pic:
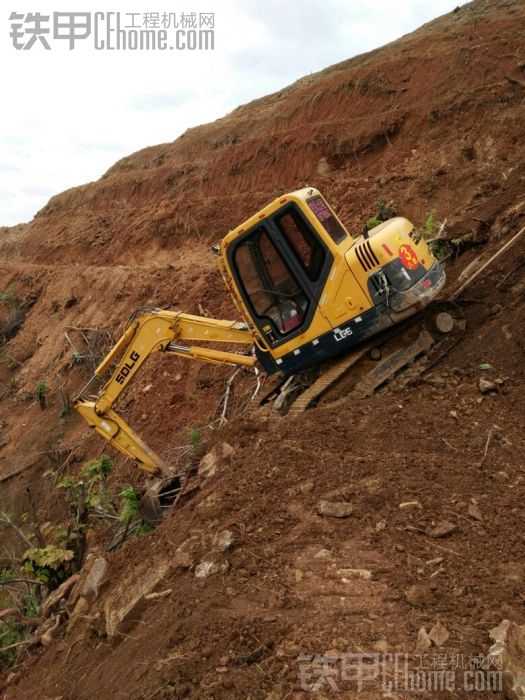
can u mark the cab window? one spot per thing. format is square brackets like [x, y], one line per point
[304, 243]
[328, 220]
[270, 286]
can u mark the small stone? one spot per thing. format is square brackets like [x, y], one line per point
[364, 574]
[322, 554]
[224, 540]
[499, 381]
[299, 575]
[335, 510]
[208, 465]
[400, 548]
[443, 529]
[474, 511]
[434, 562]
[423, 642]
[332, 654]
[419, 596]
[381, 646]
[147, 388]
[227, 450]
[410, 504]
[412, 560]
[500, 477]
[439, 634]
[454, 414]
[380, 526]
[183, 559]
[485, 386]
[206, 568]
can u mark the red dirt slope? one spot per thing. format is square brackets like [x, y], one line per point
[434, 120]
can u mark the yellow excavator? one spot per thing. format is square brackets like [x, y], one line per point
[316, 303]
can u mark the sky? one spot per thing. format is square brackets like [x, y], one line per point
[68, 114]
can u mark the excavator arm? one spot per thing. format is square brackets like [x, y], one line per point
[149, 330]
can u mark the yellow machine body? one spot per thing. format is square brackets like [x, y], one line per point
[309, 290]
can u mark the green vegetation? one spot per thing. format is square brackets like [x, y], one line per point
[41, 390]
[11, 630]
[130, 504]
[196, 440]
[372, 223]
[431, 225]
[50, 565]
[76, 358]
[384, 211]
[9, 296]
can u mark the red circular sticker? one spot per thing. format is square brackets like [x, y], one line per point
[408, 256]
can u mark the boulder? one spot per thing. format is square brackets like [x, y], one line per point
[124, 606]
[94, 578]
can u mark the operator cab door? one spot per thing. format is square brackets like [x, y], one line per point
[281, 266]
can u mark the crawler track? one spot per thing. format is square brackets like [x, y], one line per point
[400, 357]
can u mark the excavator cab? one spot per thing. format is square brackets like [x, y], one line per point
[309, 290]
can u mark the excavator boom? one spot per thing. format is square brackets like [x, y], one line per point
[149, 330]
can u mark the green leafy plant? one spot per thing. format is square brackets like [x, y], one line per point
[41, 390]
[76, 358]
[130, 504]
[385, 210]
[143, 529]
[372, 223]
[195, 440]
[431, 225]
[98, 469]
[50, 564]
[9, 296]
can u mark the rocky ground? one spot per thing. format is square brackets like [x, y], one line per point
[251, 570]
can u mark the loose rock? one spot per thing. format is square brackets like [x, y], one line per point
[508, 652]
[410, 504]
[334, 510]
[439, 634]
[423, 642]
[474, 511]
[224, 540]
[443, 529]
[485, 386]
[209, 568]
[364, 574]
[419, 596]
